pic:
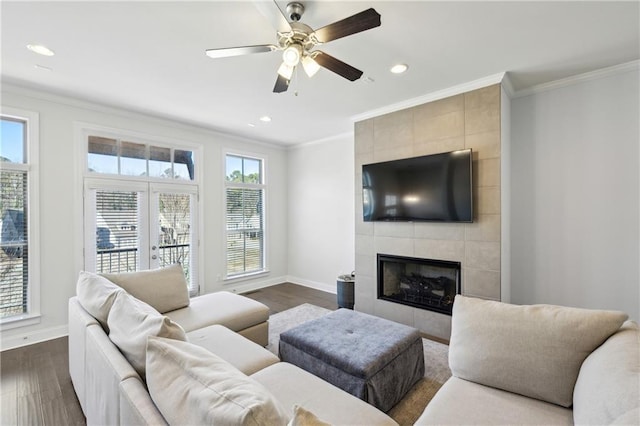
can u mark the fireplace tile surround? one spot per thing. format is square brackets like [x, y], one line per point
[468, 120]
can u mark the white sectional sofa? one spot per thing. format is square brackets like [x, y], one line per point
[216, 339]
[538, 365]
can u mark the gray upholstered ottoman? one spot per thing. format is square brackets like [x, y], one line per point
[372, 358]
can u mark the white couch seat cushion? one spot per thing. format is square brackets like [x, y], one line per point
[609, 382]
[165, 289]
[460, 402]
[292, 386]
[192, 386]
[534, 350]
[242, 353]
[231, 310]
[131, 322]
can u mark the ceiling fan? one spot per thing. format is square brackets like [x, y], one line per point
[297, 41]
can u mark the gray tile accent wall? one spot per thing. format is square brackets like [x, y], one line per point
[468, 120]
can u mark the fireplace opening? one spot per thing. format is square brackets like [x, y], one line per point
[422, 283]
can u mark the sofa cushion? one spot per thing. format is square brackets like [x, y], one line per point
[608, 385]
[534, 350]
[190, 385]
[234, 311]
[96, 295]
[460, 402]
[292, 385]
[165, 289]
[302, 417]
[131, 321]
[242, 353]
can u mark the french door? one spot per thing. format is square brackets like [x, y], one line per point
[133, 225]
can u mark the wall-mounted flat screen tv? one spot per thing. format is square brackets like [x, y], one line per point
[434, 188]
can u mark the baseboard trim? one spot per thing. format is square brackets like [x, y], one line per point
[328, 288]
[25, 339]
[253, 286]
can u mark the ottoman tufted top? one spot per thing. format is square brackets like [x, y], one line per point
[356, 343]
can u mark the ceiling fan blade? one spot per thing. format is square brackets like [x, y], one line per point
[359, 22]
[270, 10]
[282, 84]
[337, 66]
[237, 51]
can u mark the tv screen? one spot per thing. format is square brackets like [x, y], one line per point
[433, 188]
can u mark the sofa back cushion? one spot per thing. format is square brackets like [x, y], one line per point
[131, 322]
[165, 289]
[608, 385]
[534, 350]
[190, 385]
[96, 295]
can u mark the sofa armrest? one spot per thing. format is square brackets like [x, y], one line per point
[136, 406]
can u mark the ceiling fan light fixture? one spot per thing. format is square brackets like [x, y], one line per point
[291, 55]
[310, 66]
[286, 71]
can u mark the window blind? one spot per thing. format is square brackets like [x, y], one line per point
[14, 255]
[117, 231]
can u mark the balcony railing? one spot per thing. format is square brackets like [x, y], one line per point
[126, 259]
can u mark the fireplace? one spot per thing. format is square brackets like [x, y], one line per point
[422, 283]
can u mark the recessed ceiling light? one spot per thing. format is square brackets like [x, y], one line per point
[40, 49]
[42, 67]
[399, 69]
[265, 119]
[251, 125]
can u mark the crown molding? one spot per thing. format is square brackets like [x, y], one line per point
[579, 78]
[35, 92]
[339, 136]
[430, 97]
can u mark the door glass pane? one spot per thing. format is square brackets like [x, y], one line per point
[117, 231]
[14, 259]
[174, 236]
[133, 159]
[12, 141]
[160, 162]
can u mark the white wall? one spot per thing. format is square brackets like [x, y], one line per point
[321, 211]
[575, 194]
[60, 196]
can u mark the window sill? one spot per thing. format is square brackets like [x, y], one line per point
[246, 276]
[19, 321]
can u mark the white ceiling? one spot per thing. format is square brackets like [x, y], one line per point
[149, 56]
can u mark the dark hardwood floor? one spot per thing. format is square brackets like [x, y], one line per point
[285, 296]
[35, 387]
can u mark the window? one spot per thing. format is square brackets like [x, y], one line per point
[244, 213]
[120, 157]
[140, 207]
[19, 257]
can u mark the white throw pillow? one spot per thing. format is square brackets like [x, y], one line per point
[131, 322]
[302, 417]
[192, 386]
[609, 382]
[534, 350]
[165, 289]
[96, 295]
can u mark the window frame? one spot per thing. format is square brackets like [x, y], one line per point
[264, 187]
[32, 167]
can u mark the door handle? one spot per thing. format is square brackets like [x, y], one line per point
[154, 257]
